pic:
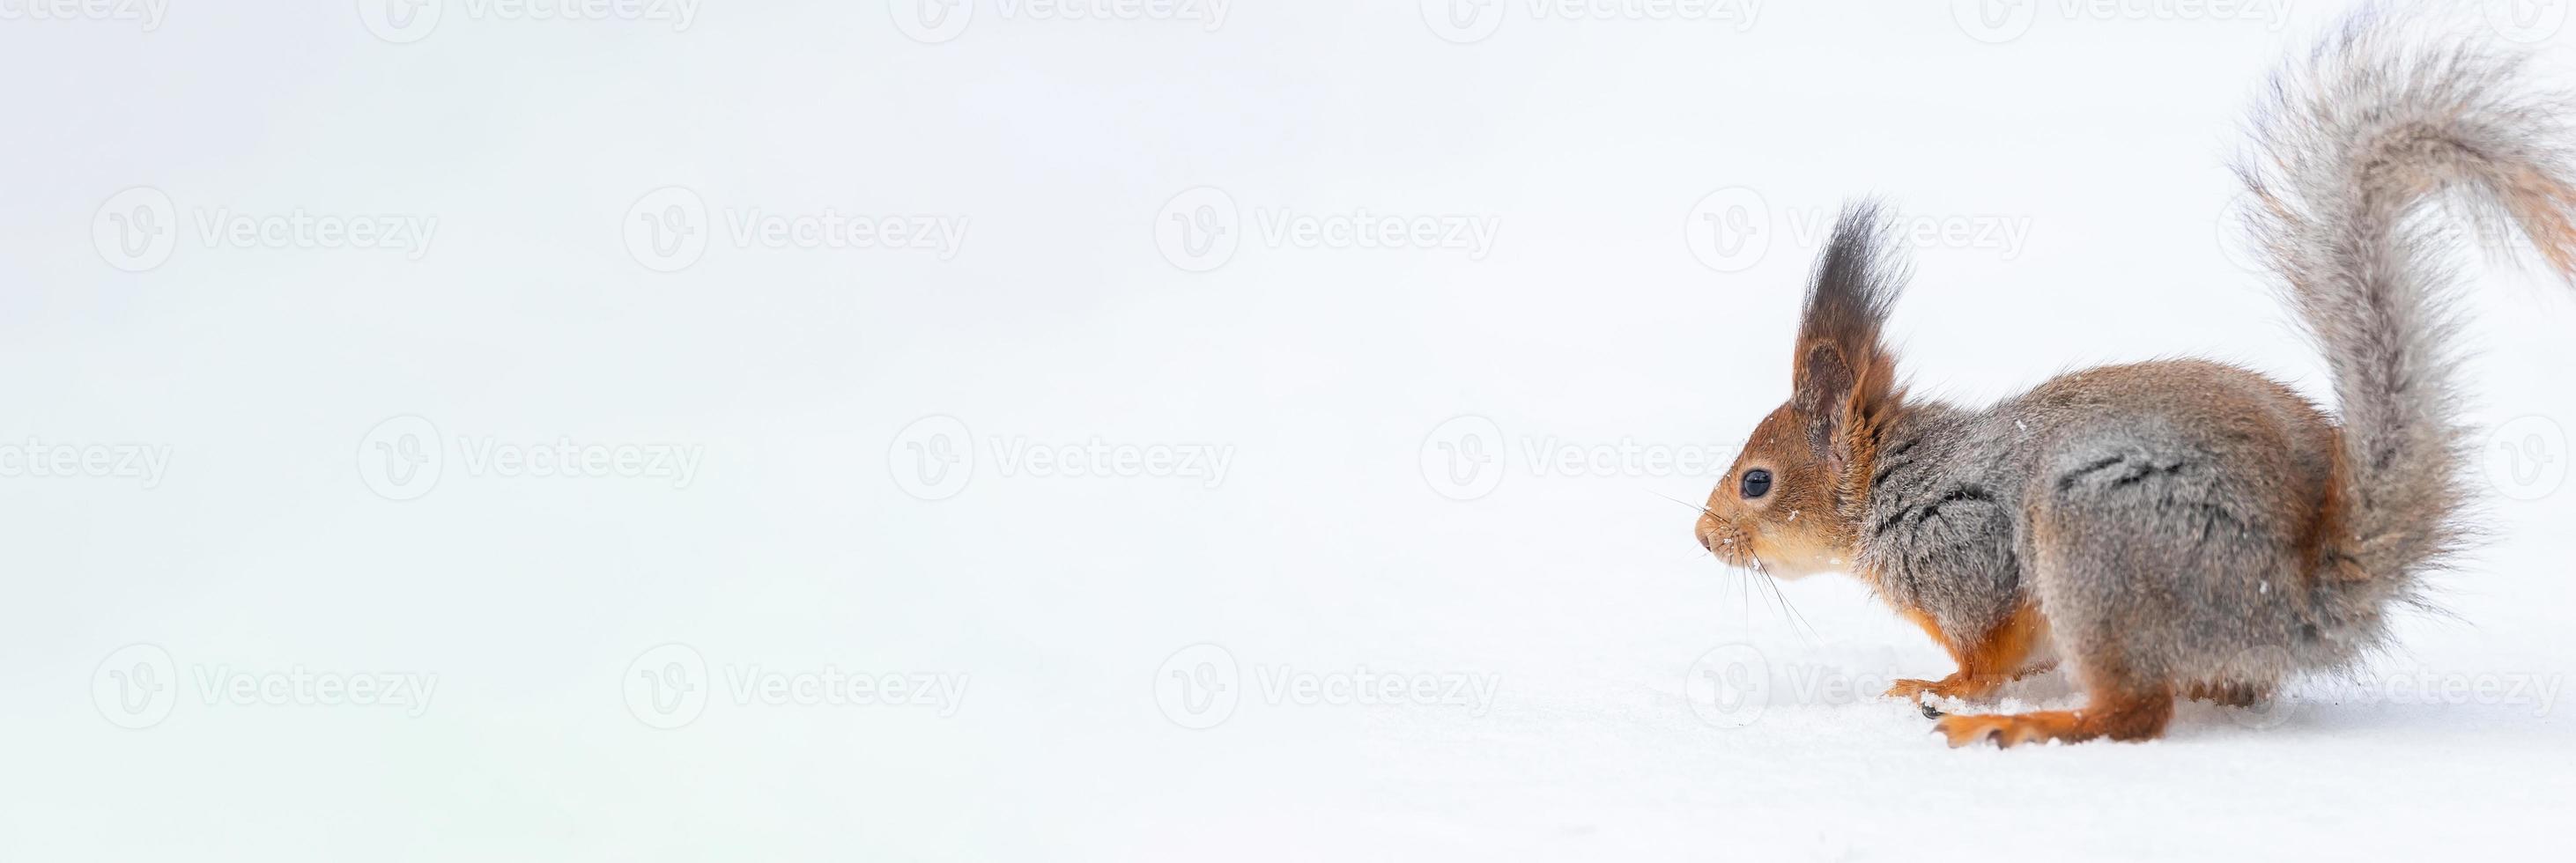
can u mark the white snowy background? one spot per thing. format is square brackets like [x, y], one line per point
[729, 352]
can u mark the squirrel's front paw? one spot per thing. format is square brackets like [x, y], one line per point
[1915, 690]
[1963, 687]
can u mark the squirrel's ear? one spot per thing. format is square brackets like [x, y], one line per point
[1843, 373]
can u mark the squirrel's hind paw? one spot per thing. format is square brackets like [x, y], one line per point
[2135, 715]
[2011, 730]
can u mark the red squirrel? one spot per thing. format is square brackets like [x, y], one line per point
[2179, 529]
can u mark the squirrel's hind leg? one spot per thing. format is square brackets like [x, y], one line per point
[2229, 693]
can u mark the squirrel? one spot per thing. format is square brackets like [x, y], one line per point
[2178, 528]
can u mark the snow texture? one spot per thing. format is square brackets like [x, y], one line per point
[1387, 564]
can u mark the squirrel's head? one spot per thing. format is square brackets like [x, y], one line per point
[1790, 504]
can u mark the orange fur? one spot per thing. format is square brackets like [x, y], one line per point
[2114, 714]
[1995, 658]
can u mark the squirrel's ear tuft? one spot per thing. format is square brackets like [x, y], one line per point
[1855, 283]
[1843, 371]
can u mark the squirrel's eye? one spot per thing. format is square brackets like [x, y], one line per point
[1757, 482]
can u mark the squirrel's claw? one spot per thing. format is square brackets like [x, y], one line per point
[1916, 690]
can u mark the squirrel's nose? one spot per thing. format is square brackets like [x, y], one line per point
[1702, 533]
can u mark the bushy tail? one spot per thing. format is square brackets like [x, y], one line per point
[2352, 146]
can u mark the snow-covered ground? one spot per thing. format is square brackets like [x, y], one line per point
[1133, 439]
